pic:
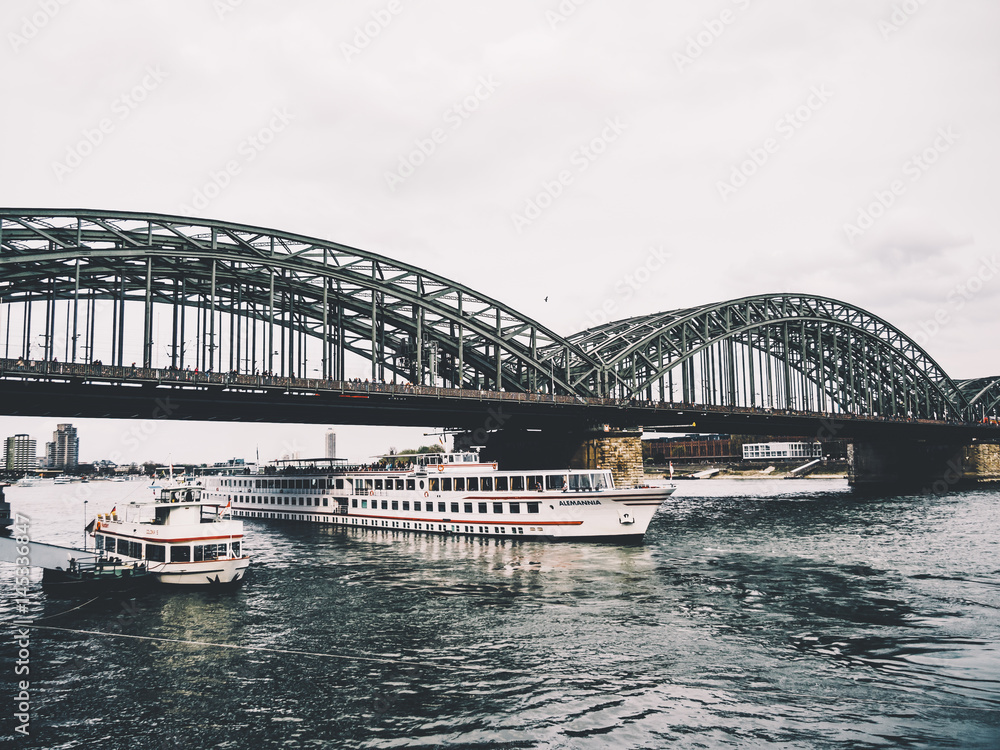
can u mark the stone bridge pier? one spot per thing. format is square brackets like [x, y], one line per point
[921, 466]
[617, 449]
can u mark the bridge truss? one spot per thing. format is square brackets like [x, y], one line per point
[170, 291]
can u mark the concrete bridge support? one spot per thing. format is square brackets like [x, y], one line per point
[923, 467]
[618, 450]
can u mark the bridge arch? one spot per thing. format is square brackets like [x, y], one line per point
[983, 395]
[84, 285]
[260, 299]
[785, 351]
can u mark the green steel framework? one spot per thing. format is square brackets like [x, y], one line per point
[260, 299]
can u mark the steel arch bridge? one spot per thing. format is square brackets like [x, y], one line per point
[175, 292]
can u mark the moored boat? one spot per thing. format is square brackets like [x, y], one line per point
[452, 493]
[180, 538]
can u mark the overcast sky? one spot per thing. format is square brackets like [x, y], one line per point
[628, 156]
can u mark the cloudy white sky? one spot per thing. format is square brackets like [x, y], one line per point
[632, 156]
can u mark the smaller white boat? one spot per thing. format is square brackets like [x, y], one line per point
[62, 479]
[27, 481]
[179, 538]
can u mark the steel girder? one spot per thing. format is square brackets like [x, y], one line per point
[401, 317]
[787, 351]
[983, 395]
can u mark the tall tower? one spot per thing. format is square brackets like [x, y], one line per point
[19, 453]
[65, 448]
[331, 444]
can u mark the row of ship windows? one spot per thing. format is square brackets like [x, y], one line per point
[417, 505]
[469, 529]
[538, 482]
[158, 552]
[442, 507]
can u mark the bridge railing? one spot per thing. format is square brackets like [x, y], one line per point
[54, 370]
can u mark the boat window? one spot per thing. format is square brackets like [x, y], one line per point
[532, 507]
[123, 546]
[411, 484]
[498, 507]
[482, 507]
[98, 541]
[487, 484]
[369, 484]
[364, 503]
[395, 504]
[135, 549]
[180, 554]
[580, 482]
[599, 481]
[236, 549]
[406, 505]
[416, 505]
[340, 484]
[399, 484]
[467, 507]
[440, 507]
[469, 458]
[359, 485]
[433, 484]
[378, 484]
[309, 501]
[473, 483]
[555, 481]
[302, 501]
[156, 553]
[459, 484]
[515, 507]
[454, 507]
[421, 484]
[535, 482]
[354, 502]
[385, 505]
[501, 483]
[446, 484]
[325, 503]
[517, 484]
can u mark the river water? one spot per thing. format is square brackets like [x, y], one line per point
[765, 613]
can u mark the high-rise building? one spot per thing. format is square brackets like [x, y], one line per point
[331, 444]
[63, 452]
[19, 453]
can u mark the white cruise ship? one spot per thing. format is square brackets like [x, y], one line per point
[450, 493]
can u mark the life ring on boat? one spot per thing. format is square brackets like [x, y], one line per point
[494, 466]
[440, 467]
[371, 492]
[426, 495]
